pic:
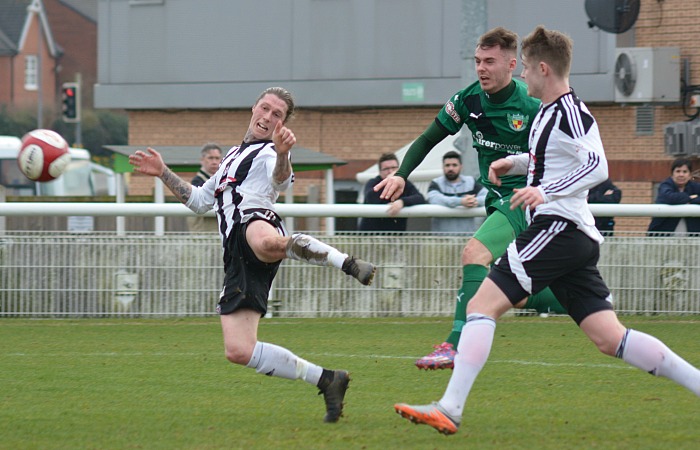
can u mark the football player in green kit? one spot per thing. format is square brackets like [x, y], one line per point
[498, 112]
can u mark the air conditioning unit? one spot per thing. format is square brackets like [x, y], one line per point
[694, 137]
[677, 142]
[647, 75]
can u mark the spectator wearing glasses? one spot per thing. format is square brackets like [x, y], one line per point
[388, 165]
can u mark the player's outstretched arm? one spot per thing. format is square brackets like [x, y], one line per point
[151, 163]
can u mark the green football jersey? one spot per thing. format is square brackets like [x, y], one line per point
[499, 127]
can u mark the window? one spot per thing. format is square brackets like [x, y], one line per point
[31, 73]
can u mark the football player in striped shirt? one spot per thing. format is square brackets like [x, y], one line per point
[559, 248]
[243, 192]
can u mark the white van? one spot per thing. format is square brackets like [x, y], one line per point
[81, 178]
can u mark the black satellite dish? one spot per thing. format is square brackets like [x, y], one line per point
[613, 16]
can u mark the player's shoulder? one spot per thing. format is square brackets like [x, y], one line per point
[576, 119]
[459, 97]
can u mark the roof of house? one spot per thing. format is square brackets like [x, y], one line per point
[86, 8]
[14, 16]
[186, 158]
[7, 47]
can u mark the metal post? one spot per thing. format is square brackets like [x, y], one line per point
[2, 218]
[79, 109]
[330, 199]
[159, 197]
[121, 198]
[39, 77]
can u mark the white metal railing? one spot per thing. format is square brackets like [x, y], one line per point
[102, 274]
[319, 210]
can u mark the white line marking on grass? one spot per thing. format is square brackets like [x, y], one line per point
[496, 361]
[305, 355]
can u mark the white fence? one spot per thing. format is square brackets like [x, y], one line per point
[120, 274]
[63, 275]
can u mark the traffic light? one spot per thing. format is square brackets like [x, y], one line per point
[70, 101]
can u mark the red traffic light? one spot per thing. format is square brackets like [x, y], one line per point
[70, 102]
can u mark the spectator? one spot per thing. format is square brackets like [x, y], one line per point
[452, 190]
[210, 160]
[678, 189]
[605, 192]
[388, 165]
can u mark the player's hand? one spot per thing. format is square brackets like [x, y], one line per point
[150, 163]
[392, 186]
[283, 138]
[395, 207]
[528, 197]
[499, 168]
[469, 201]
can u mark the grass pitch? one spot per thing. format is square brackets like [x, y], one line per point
[165, 384]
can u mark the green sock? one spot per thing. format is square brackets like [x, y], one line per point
[472, 277]
[544, 302]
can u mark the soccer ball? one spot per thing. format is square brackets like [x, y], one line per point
[43, 156]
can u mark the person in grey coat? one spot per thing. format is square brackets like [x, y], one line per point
[455, 190]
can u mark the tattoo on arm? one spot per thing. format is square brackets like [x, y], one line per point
[178, 186]
[283, 168]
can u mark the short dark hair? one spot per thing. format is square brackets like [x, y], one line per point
[387, 157]
[210, 146]
[499, 37]
[680, 162]
[452, 155]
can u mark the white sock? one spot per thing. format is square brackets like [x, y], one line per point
[651, 355]
[273, 360]
[472, 352]
[302, 247]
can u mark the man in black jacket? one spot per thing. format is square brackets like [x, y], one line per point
[605, 192]
[678, 189]
[388, 165]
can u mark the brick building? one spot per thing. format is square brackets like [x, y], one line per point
[44, 43]
[632, 133]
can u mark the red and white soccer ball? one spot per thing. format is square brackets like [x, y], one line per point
[43, 156]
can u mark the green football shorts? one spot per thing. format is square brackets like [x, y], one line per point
[500, 228]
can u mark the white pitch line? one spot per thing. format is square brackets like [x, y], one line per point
[306, 355]
[496, 361]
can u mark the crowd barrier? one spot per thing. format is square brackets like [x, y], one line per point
[174, 275]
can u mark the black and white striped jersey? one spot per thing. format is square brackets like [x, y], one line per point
[566, 159]
[242, 185]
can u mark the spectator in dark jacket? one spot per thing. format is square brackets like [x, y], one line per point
[388, 164]
[605, 192]
[209, 160]
[678, 189]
